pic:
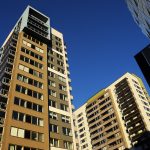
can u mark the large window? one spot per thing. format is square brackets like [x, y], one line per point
[53, 128]
[52, 103]
[30, 71]
[29, 52]
[52, 92]
[63, 107]
[67, 131]
[19, 147]
[68, 145]
[29, 92]
[27, 134]
[31, 62]
[33, 46]
[27, 118]
[63, 97]
[62, 87]
[54, 142]
[53, 115]
[30, 81]
[51, 83]
[27, 104]
[65, 119]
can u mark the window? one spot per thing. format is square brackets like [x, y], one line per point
[51, 74]
[68, 145]
[52, 103]
[53, 128]
[60, 63]
[62, 87]
[33, 46]
[66, 131]
[31, 62]
[30, 81]
[51, 66]
[61, 70]
[63, 97]
[19, 147]
[51, 83]
[27, 134]
[59, 56]
[27, 104]
[65, 119]
[31, 71]
[29, 92]
[54, 142]
[21, 67]
[62, 79]
[53, 115]
[52, 92]
[63, 107]
[29, 52]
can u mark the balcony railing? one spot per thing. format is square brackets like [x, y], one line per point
[38, 26]
[10, 61]
[8, 70]
[6, 81]
[37, 31]
[2, 106]
[38, 20]
[1, 121]
[4, 93]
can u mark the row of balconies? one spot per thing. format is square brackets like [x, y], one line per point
[37, 31]
[37, 20]
[38, 26]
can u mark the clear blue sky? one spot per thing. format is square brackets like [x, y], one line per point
[101, 37]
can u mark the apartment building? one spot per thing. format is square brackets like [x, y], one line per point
[35, 92]
[83, 139]
[116, 116]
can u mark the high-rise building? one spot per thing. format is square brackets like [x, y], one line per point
[143, 60]
[116, 116]
[140, 10]
[82, 129]
[35, 91]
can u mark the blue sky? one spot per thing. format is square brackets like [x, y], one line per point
[101, 37]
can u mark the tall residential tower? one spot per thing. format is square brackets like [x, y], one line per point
[116, 117]
[35, 91]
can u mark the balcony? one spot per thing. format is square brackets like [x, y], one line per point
[37, 31]
[1, 121]
[2, 106]
[10, 61]
[38, 26]
[69, 80]
[4, 93]
[70, 88]
[8, 70]
[6, 81]
[37, 20]
[12, 52]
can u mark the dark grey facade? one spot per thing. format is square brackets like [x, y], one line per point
[143, 60]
